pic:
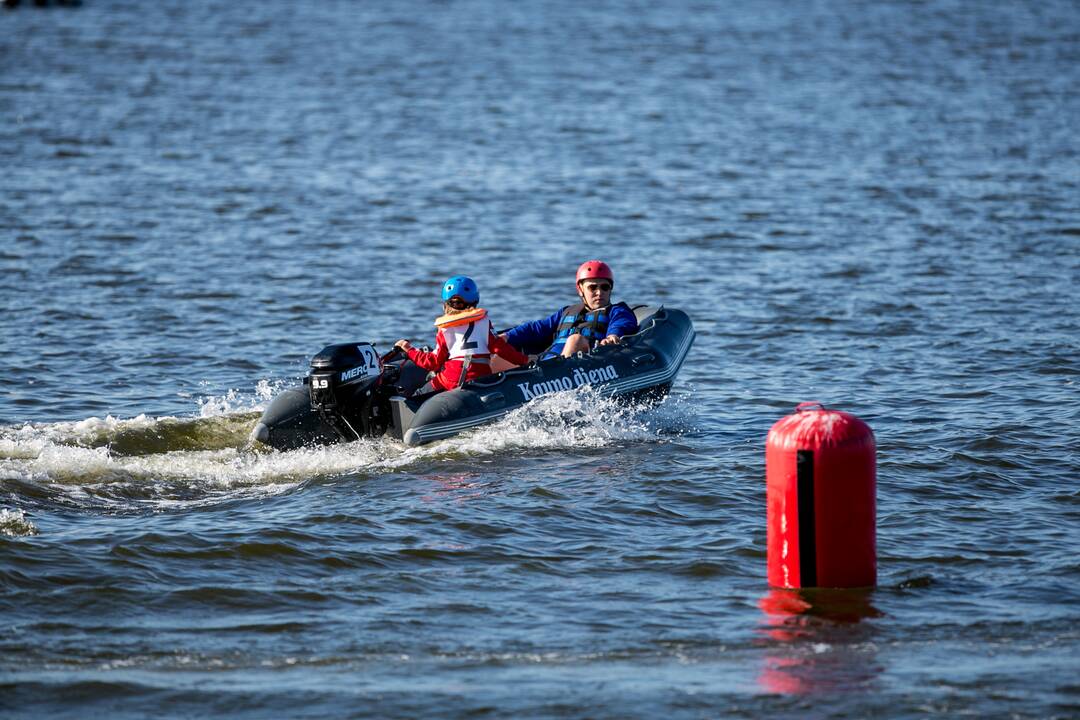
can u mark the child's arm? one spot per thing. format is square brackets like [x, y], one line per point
[428, 360]
[505, 350]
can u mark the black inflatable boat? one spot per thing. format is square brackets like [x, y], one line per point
[351, 392]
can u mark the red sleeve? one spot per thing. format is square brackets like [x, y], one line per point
[431, 360]
[505, 350]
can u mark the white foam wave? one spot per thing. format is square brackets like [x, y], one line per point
[30, 439]
[80, 459]
[73, 458]
[575, 418]
[579, 418]
[13, 523]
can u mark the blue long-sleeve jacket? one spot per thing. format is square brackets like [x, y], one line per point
[536, 336]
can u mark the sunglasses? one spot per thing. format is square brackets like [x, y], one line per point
[593, 287]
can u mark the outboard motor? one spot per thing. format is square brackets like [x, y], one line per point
[342, 385]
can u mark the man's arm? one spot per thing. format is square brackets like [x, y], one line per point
[536, 335]
[623, 322]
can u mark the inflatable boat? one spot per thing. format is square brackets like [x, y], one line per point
[352, 392]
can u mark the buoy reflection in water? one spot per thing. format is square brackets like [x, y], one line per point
[818, 640]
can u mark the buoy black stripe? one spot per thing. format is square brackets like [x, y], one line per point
[807, 542]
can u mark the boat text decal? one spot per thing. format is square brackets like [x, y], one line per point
[580, 377]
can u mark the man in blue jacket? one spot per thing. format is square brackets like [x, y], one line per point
[578, 328]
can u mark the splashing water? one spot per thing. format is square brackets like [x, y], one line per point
[13, 523]
[237, 401]
[166, 461]
[574, 418]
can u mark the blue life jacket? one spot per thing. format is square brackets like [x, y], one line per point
[576, 320]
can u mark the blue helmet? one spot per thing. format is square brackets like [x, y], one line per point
[463, 287]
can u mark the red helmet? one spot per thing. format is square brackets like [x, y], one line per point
[594, 269]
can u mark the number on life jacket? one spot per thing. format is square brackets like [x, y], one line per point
[466, 340]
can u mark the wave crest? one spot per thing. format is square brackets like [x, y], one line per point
[165, 461]
[13, 523]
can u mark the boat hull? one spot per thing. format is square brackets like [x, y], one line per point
[643, 366]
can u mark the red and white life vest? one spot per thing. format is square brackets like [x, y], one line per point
[466, 334]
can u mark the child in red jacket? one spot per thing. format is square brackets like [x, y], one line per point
[464, 341]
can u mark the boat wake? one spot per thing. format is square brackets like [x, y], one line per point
[158, 463]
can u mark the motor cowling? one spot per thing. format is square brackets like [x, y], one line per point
[342, 385]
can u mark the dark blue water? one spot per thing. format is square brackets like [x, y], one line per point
[873, 205]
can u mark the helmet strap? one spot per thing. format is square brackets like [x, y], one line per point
[582, 296]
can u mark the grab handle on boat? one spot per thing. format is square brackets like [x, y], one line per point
[644, 358]
[492, 397]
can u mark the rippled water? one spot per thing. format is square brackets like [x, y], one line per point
[874, 205]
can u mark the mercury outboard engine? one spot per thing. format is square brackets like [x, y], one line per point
[345, 396]
[343, 385]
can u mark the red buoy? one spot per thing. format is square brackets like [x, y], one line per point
[821, 478]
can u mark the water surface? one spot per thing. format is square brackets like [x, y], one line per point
[873, 205]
